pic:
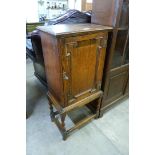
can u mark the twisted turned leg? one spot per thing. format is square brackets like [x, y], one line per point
[63, 116]
[98, 107]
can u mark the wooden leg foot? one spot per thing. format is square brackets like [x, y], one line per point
[63, 116]
[52, 116]
[64, 136]
[98, 107]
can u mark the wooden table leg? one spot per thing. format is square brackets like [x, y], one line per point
[98, 107]
[63, 116]
[52, 115]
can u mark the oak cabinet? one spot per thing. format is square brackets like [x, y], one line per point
[115, 83]
[74, 61]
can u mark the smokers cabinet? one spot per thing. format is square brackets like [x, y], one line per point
[74, 60]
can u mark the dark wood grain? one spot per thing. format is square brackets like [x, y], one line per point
[74, 61]
[115, 80]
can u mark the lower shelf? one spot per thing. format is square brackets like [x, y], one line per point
[77, 118]
[81, 123]
[59, 116]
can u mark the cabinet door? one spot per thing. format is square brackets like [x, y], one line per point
[116, 84]
[84, 59]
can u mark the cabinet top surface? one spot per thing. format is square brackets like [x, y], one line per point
[67, 29]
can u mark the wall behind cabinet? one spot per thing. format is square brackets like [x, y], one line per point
[33, 9]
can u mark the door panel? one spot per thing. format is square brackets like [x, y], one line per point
[84, 65]
[117, 84]
[83, 60]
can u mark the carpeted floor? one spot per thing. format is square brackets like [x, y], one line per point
[105, 136]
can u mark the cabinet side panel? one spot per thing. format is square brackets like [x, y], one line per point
[104, 12]
[52, 65]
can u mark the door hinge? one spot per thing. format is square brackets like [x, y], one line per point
[68, 54]
[65, 77]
